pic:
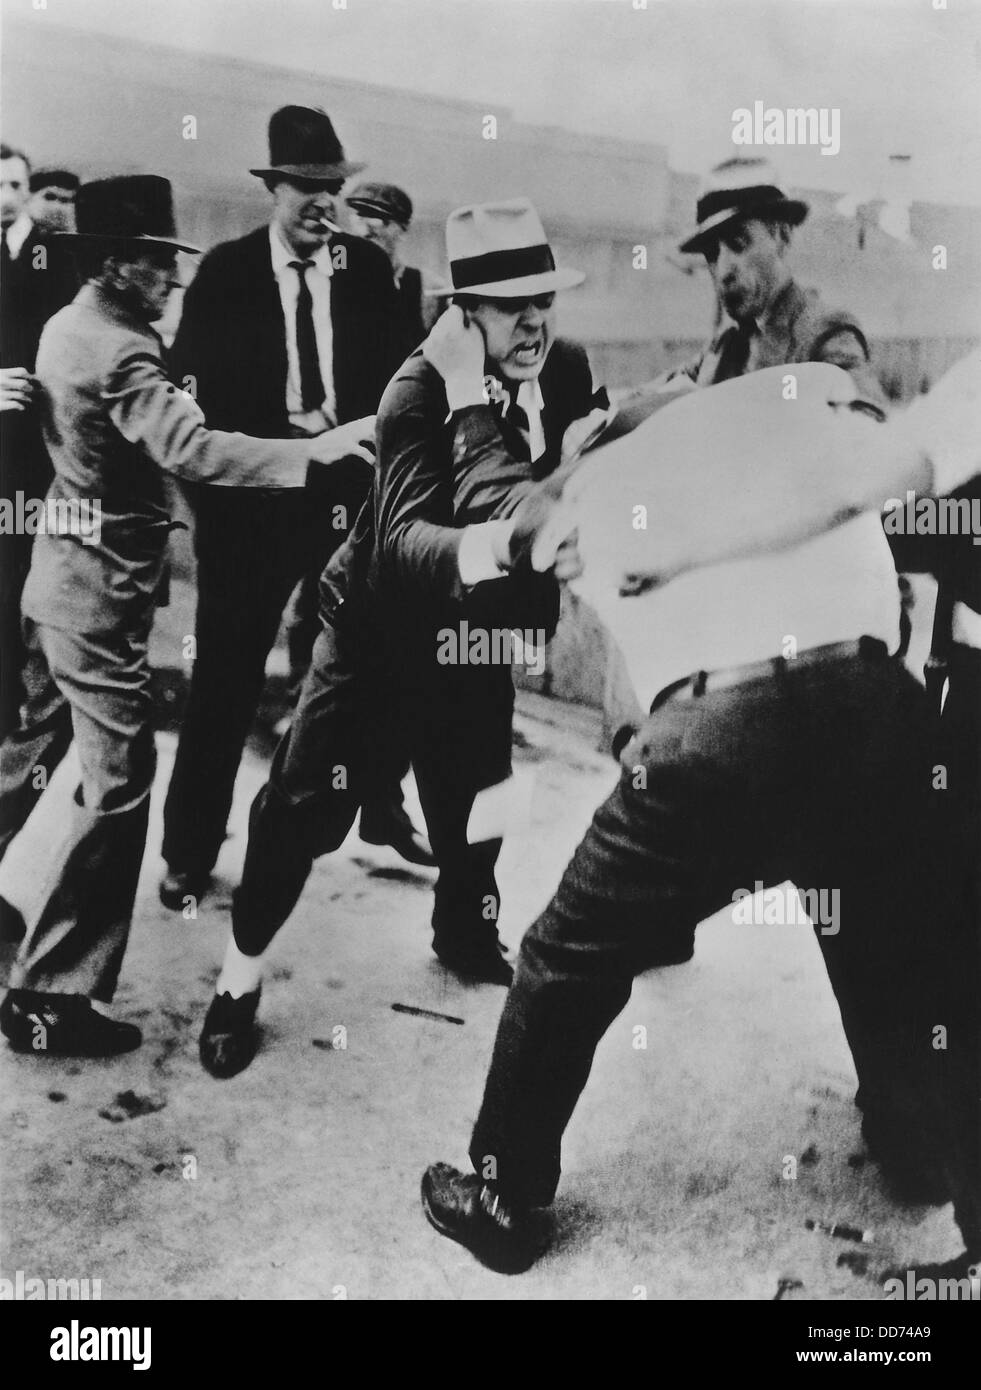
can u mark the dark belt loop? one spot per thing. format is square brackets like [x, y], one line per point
[698, 683]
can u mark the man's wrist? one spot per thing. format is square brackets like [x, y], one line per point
[484, 551]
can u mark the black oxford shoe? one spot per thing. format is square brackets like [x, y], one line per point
[229, 1039]
[486, 966]
[469, 1211]
[63, 1025]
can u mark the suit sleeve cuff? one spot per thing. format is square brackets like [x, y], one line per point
[461, 394]
[476, 557]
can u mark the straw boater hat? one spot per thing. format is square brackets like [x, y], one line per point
[740, 188]
[500, 251]
[132, 211]
[304, 145]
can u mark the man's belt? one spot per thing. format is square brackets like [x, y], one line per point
[777, 667]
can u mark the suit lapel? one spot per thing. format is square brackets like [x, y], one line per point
[269, 343]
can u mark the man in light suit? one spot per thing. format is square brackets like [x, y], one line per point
[287, 331]
[113, 420]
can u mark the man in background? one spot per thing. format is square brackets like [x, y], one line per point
[286, 331]
[382, 214]
[36, 279]
[52, 201]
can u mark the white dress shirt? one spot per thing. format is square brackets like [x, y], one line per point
[318, 277]
[17, 233]
[475, 557]
[836, 586]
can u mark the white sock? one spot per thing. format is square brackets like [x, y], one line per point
[239, 974]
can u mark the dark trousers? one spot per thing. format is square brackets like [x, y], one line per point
[97, 690]
[355, 715]
[15, 561]
[251, 551]
[817, 776]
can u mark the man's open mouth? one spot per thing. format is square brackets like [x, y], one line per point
[528, 353]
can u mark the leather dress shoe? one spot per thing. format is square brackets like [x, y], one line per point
[505, 1238]
[486, 964]
[387, 824]
[177, 885]
[63, 1025]
[229, 1038]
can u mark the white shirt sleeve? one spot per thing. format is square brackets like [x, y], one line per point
[476, 554]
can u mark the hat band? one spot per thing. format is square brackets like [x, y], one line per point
[487, 269]
[733, 200]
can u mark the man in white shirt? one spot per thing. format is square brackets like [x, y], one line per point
[804, 764]
[287, 331]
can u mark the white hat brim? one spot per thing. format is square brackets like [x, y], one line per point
[523, 287]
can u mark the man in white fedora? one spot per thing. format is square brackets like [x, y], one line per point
[468, 425]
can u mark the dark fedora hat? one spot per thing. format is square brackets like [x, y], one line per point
[381, 200]
[735, 189]
[133, 209]
[304, 145]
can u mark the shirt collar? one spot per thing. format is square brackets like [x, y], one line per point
[530, 396]
[17, 233]
[282, 256]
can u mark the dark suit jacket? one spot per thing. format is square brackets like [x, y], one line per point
[232, 335]
[33, 289]
[436, 475]
[409, 293]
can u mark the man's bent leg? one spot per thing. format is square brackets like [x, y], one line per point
[306, 809]
[76, 940]
[32, 751]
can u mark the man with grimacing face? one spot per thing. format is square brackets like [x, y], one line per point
[468, 425]
[517, 336]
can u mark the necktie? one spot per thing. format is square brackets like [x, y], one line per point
[312, 391]
[517, 418]
[736, 351]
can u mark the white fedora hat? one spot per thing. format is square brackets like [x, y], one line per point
[738, 188]
[500, 251]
